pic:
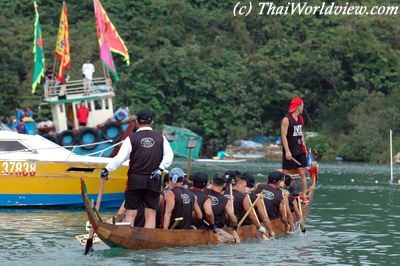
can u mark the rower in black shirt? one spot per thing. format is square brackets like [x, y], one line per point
[242, 203]
[292, 199]
[199, 181]
[273, 198]
[260, 206]
[220, 205]
[179, 202]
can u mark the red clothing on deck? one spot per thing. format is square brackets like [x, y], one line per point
[82, 113]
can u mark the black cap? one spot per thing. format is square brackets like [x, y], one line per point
[145, 116]
[220, 179]
[275, 177]
[199, 179]
[250, 180]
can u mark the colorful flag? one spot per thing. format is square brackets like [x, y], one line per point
[109, 39]
[62, 45]
[38, 71]
[115, 42]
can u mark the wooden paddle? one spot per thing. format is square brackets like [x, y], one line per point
[89, 242]
[304, 229]
[255, 214]
[235, 233]
[249, 210]
[177, 220]
[221, 235]
[297, 162]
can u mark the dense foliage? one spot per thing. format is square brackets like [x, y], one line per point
[226, 77]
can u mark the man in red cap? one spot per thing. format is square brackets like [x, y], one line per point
[294, 158]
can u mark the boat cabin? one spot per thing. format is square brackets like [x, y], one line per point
[64, 100]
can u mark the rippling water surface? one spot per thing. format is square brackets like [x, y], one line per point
[354, 219]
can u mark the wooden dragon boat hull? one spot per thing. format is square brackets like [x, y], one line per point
[143, 238]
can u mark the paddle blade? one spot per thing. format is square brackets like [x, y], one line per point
[236, 236]
[223, 236]
[304, 230]
[89, 246]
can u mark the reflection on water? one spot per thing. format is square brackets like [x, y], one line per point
[351, 222]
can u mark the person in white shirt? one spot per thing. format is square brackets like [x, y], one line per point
[87, 72]
[149, 154]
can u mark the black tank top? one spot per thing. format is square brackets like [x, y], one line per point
[201, 198]
[272, 199]
[238, 199]
[294, 135]
[146, 156]
[184, 206]
[218, 202]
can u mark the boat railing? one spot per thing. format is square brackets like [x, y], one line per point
[76, 88]
[103, 150]
[100, 152]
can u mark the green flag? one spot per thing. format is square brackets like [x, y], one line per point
[38, 71]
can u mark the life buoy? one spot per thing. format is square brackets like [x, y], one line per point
[50, 137]
[88, 135]
[67, 138]
[112, 131]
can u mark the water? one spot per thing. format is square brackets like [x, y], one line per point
[350, 223]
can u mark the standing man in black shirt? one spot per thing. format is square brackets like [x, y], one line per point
[149, 154]
[294, 158]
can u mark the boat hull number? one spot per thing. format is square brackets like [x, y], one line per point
[18, 168]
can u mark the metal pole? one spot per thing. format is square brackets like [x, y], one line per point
[391, 158]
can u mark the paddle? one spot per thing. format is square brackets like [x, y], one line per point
[177, 220]
[255, 214]
[89, 242]
[286, 216]
[249, 210]
[304, 229]
[221, 235]
[297, 162]
[235, 233]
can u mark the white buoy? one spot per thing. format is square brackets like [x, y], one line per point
[376, 181]
[352, 180]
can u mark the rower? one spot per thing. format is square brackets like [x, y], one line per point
[199, 181]
[292, 199]
[241, 202]
[179, 202]
[221, 206]
[273, 198]
[260, 206]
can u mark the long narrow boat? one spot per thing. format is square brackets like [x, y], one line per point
[143, 238]
[35, 172]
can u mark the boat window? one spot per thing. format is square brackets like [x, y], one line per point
[98, 104]
[80, 169]
[107, 104]
[61, 108]
[13, 145]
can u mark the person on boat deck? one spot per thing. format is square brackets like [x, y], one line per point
[180, 202]
[241, 203]
[48, 78]
[293, 144]
[87, 73]
[29, 112]
[82, 113]
[221, 206]
[260, 206]
[149, 153]
[273, 198]
[199, 181]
